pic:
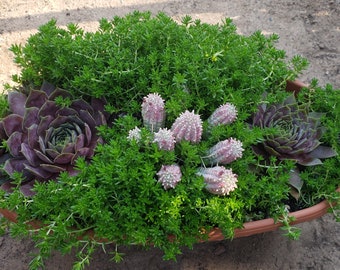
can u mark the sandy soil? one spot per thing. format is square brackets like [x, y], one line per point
[308, 28]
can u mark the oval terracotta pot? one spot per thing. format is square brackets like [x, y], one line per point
[295, 86]
[11, 216]
[269, 224]
[249, 228]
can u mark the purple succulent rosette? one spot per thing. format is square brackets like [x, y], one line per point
[45, 138]
[298, 133]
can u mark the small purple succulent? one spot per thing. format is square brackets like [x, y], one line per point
[225, 114]
[44, 138]
[188, 126]
[169, 176]
[218, 180]
[153, 112]
[165, 139]
[225, 152]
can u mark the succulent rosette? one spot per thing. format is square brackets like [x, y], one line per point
[297, 135]
[45, 138]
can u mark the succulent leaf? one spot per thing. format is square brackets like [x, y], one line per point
[14, 142]
[12, 123]
[16, 102]
[36, 98]
[29, 155]
[30, 117]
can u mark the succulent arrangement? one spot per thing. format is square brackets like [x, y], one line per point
[149, 131]
[189, 127]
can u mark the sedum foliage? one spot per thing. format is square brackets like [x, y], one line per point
[198, 64]
[193, 66]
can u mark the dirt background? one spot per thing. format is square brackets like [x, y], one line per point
[308, 28]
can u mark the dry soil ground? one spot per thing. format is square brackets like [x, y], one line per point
[308, 28]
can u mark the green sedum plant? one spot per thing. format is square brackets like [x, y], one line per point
[172, 148]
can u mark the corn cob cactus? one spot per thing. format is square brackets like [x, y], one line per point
[153, 112]
[218, 180]
[225, 114]
[188, 126]
[165, 139]
[225, 152]
[135, 134]
[169, 176]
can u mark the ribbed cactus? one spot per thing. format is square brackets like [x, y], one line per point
[165, 139]
[135, 134]
[188, 126]
[225, 114]
[225, 152]
[169, 176]
[153, 112]
[218, 180]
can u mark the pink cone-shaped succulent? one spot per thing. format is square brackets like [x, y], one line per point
[188, 126]
[225, 152]
[165, 139]
[219, 180]
[225, 114]
[135, 134]
[169, 176]
[153, 112]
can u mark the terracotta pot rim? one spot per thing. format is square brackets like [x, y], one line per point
[248, 229]
[269, 224]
